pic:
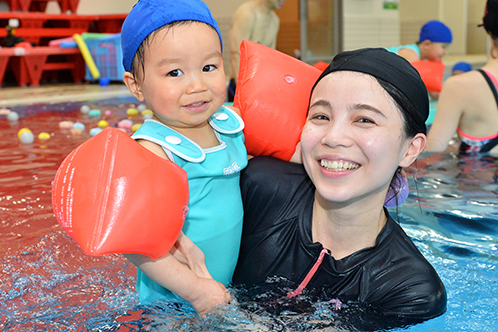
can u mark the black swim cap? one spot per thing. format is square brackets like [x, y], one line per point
[490, 19]
[388, 67]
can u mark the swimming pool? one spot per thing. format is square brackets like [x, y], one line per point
[49, 284]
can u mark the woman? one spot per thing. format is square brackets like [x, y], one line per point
[323, 227]
[468, 102]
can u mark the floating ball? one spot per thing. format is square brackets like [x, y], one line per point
[125, 123]
[4, 111]
[43, 136]
[66, 124]
[132, 111]
[13, 116]
[102, 124]
[26, 137]
[23, 130]
[76, 131]
[85, 109]
[95, 131]
[78, 125]
[94, 113]
[135, 127]
[104, 81]
[142, 107]
[108, 113]
[147, 114]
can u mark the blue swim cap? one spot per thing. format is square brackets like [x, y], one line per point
[147, 16]
[436, 32]
[463, 66]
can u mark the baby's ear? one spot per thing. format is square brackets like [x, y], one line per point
[417, 145]
[133, 86]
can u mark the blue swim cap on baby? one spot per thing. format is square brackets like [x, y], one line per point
[436, 32]
[463, 66]
[147, 16]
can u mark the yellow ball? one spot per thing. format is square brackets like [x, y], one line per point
[147, 111]
[135, 127]
[102, 124]
[44, 136]
[23, 130]
[132, 111]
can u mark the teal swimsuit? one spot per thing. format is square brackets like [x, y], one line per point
[214, 218]
[414, 47]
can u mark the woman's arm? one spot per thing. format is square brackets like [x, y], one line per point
[448, 115]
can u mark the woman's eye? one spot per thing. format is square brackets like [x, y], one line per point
[365, 120]
[319, 117]
[175, 73]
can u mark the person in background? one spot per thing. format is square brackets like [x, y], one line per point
[460, 68]
[320, 228]
[172, 54]
[254, 20]
[434, 38]
[468, 102]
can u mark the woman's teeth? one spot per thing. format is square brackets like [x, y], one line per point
[338, 166]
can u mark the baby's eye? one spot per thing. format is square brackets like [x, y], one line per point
[175, 73]
[209, 68]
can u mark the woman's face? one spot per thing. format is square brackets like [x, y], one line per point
[353, 140]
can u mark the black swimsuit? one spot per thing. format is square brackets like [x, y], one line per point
[392, 277]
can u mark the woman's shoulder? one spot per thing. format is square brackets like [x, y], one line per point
[415, 291]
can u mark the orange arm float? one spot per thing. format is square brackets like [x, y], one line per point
[105, 196]
[273, 92]
[431, 73]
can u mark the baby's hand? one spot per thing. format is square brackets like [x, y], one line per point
[187, 253]
[207, 295]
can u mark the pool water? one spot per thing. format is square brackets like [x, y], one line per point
[48, 284]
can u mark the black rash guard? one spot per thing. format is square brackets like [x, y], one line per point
[392, 278]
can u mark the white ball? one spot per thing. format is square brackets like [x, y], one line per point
[27, 137]
[85, 109]
[13, 116]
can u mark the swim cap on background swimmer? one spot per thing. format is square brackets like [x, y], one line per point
[490, 19]
[147, 16]
[388, 67]
[436, 32]
[462, 66]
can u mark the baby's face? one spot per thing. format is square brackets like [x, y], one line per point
[184, 81]
[436, 51]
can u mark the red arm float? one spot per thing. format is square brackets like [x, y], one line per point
[111, 195]
[321, 65]
[431, 73]
[273, 92]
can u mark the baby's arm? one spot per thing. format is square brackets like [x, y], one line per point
[204, 294]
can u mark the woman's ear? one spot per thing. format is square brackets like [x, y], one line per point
[416, 146]
[133, 86]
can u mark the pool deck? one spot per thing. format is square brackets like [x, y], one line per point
[56, 93]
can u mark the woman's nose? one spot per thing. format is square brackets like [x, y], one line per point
[337, 134]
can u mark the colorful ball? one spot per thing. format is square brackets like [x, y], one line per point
[43, 136]
[94, 113]
[135, 127]
[23, 130]
[13, 116]
[132, 111]
[66, 124]
[85, 109]
[102, 124]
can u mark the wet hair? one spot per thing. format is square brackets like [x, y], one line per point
[413, 123]
[490, 19]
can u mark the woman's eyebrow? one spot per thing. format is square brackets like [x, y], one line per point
[368, 108]
[321, 102]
